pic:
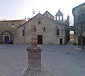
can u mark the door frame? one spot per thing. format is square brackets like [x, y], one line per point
[4, 37]
[6, 33]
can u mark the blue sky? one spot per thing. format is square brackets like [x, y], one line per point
[18, 9]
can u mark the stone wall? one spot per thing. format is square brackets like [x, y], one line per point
[9, 26]
[46, 28]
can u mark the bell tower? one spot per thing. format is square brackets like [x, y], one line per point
[59, 16]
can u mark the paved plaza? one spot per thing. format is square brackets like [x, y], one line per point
[57, 60]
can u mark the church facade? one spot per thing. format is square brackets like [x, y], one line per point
[48, 30]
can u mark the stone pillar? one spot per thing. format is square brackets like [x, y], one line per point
[34, 58]
[34, 62]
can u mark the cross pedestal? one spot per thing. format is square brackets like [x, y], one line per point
[34, 62]
[34, 57]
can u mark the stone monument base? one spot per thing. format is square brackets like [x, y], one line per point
[29, 72]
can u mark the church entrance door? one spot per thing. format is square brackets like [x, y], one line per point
[6, 36]
[40, 40]
[61, 41]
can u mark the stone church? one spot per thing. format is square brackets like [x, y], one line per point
[48, 30]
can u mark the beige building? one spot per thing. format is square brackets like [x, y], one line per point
[8, 29]
[48, 31]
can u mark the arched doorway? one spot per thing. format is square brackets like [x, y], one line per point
[6, 37]
[40, 39]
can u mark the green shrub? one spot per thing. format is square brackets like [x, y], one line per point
[74, 44]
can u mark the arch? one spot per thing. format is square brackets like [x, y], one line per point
[6, 31]
[6, 36]
[59, 15]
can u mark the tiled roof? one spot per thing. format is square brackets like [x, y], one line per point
[45, 17]
[12, 20]
[48, 13]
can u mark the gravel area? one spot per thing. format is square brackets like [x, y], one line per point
[57, 60]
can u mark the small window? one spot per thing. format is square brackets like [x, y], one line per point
[6, 24]
[57, 31]
[12, 24]
[44, 29]
[39, 22]
[23, 32]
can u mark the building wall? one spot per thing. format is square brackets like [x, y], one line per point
[77, 11]
[79, 22]
[9, 26]
[49, 34]
[47, 14]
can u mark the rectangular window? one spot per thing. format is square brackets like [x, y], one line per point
[44, 29]
[23, 32]
[12, 24]
[57, 31]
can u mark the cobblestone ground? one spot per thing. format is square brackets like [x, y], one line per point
[57, 60]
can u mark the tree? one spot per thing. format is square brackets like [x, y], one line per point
[79, 28]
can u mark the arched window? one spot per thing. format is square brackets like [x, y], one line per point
[61, 18]
[57, 31]
[57, 17]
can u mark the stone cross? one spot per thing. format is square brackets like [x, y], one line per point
[34, 57]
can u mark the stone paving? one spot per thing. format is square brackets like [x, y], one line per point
[57, 60]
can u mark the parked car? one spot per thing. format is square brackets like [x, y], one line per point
[10, 41]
